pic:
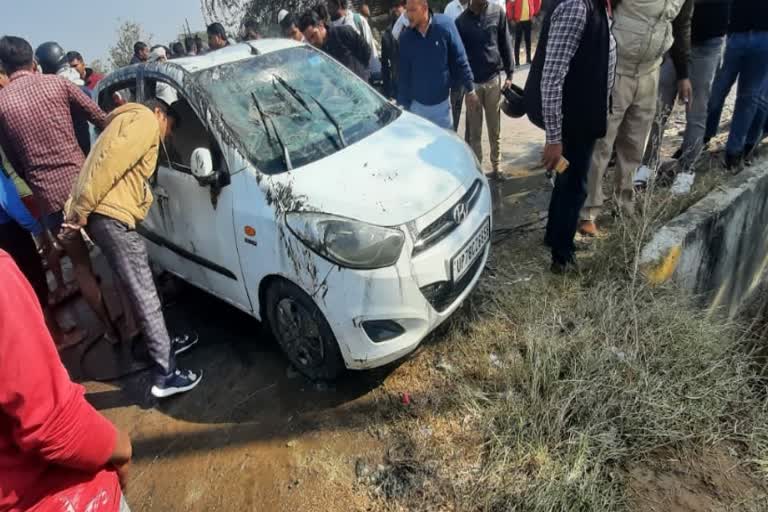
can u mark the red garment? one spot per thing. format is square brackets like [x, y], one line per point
[92, 78]
[515, 8]
[31, 205]
[53, 445]
[37, 134]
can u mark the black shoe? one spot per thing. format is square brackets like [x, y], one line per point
[733, 162]
[749, 154]
[178, 381]
[677, 154]
[184, 342]
[560, 269]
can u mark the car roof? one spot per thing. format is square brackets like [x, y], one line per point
[234, 53]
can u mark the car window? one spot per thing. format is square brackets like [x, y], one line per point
[117, 94]
[294, 105]
[188, 135]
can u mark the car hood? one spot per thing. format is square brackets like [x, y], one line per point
[394, 176]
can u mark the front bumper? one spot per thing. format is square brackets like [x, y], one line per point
[418, 292]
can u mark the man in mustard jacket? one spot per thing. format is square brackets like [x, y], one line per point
[110, 197]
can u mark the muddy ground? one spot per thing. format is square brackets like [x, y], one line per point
[257, 436]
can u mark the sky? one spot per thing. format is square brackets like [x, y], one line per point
[89, 26]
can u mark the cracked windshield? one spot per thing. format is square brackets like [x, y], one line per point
[293, 107]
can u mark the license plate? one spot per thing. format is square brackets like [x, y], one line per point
[461, 263]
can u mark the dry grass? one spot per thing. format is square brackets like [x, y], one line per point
[596, 374]
[545, 389]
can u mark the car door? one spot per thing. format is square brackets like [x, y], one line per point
[190, 225]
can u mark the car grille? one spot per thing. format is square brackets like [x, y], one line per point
[446, 223]
[441, 295]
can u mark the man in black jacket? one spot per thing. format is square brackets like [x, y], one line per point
[484, 31]
[342, 43]
[390, 52]
[567, 94]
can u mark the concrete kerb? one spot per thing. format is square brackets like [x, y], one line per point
[718, 248]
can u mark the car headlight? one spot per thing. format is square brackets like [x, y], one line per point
[347, 242]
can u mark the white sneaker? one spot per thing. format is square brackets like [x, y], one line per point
[683, 183]
[642, 175]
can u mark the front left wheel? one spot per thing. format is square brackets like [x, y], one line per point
[302, 331]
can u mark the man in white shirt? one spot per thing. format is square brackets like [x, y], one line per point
[401, 24]
[341, 15]
[455, 8]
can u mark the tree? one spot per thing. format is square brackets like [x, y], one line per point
[128, 34]
[229, 13]
[232, 13]
[100, 67]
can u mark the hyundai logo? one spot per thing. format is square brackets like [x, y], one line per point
[460, 213]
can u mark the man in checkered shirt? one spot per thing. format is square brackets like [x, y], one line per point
[38, 138]
[567, 94]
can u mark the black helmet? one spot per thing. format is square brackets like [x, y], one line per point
[50, 56]
[513, 104]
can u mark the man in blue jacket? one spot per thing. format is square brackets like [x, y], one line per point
[432, 59]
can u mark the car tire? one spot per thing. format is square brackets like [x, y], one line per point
[302, 331]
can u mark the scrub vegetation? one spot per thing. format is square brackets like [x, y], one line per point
[591, 392]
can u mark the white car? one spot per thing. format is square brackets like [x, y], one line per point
[295, 192]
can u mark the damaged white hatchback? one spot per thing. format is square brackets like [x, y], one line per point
[294, 191]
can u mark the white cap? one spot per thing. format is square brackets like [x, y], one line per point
[281, 15]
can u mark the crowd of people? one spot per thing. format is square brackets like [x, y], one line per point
[58, 193]
[652, 55]
[603, 81]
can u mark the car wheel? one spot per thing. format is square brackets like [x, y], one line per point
[303, 332]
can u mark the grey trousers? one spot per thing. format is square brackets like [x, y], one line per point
[126, 254]
[703, 63]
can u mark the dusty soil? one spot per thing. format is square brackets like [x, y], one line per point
[715, 481]
[254, 436]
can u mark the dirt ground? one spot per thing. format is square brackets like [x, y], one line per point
[714, 481]
[257, 436]
[254, 436]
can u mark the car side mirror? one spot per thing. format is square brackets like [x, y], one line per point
[202, 166]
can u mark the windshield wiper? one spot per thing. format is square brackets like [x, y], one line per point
[293, 92]
[296, 94]
[264, 118]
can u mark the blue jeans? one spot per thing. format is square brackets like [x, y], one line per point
[759, 127]
[439, 114]
[746, 58]
[702, 65]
